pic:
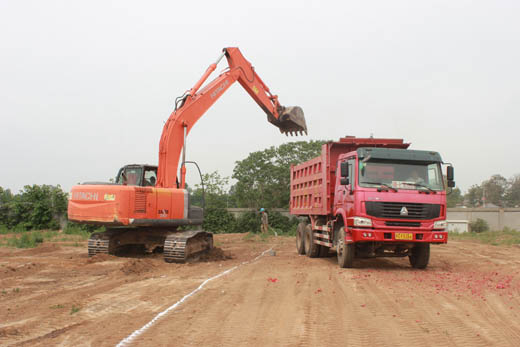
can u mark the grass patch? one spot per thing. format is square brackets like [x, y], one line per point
[74, 309]
[27, 240]
[18, 229]
[57, 306]
[4, 230]
[19, 238]
[506, 236]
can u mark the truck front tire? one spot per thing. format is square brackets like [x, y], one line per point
[300, 238]
[311, 249]
[345, 251]
[420, 255]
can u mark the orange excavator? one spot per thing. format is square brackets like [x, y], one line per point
[149, 206]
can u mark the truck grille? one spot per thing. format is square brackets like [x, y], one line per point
[393, 210]
[403, 224]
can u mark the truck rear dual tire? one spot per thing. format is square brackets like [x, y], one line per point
[345, 251]
[420, 256]
[311, 249]
[300, 238]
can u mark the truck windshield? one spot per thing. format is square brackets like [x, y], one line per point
[401, 175]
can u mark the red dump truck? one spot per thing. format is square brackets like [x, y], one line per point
[371, 197]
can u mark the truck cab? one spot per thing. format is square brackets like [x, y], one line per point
[391, 195]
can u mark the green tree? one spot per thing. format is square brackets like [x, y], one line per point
[474, 196]
[215, 194]
[6, 198]
[454, 198]
[38, 207]
[494, 190]
[263, 178]
[512, 194]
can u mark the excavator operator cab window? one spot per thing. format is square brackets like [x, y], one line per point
[130, 176]
[150, 177]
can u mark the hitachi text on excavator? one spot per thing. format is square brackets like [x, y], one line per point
[147, 205]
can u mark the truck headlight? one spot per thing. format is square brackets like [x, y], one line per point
[362, 222]
[440, 224]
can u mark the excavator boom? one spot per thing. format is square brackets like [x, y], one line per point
[195, 103]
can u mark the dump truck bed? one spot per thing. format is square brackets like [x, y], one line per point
[312, 182]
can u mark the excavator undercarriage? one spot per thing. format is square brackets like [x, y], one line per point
[177, 246]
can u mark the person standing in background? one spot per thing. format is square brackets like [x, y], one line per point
[265, 221]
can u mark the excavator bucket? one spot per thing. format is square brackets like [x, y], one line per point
[291, 121]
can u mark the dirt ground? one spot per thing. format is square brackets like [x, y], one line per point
[55, 295]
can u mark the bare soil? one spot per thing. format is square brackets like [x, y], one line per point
[56, 295]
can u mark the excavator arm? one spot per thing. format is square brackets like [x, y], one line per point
[195, 103]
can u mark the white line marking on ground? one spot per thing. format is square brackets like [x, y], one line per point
[129, 339]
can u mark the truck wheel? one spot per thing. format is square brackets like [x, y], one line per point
[344, 250]
[300, 238]
[311, 249]
[420, 255]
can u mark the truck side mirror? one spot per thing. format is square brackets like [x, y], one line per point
[450, 176]
[344, 181]
[344, 169]
[450, 173]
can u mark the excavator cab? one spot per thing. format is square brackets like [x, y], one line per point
[137, 175]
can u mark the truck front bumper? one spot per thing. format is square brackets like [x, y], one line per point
[377, 235]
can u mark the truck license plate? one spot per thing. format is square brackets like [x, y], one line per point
[403, 236]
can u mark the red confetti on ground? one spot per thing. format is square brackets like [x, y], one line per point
[317, 291]
[273, 280]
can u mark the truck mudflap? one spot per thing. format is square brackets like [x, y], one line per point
[370, 235]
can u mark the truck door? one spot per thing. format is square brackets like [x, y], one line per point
[348, 198]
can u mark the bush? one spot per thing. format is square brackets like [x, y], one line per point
[35, 207]
[479, 225]
[27, 240]
[218, 220]
[280, 222]
[248, 222]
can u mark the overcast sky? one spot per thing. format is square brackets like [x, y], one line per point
[86, 86]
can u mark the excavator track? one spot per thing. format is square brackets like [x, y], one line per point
[99, 243]
[180, 246]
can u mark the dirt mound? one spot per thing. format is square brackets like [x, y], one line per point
[137, 267]
[6, 271]
[216, 254]
[99, 258]
[9, 331]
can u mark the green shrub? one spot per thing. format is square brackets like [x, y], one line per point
[479, 225]
[35, 207]
[218, 220]
[27, 240]
[281, 222]
[4, 230]
[248, 222]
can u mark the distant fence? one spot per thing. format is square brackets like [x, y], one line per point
[497, 218]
